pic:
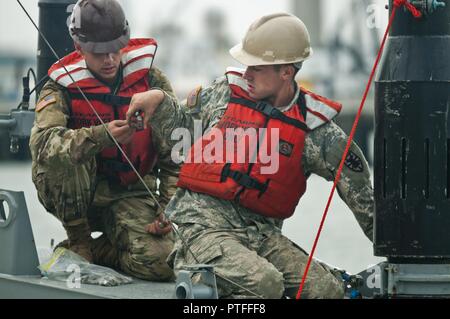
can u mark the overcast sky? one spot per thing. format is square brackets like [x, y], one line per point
[18, 35]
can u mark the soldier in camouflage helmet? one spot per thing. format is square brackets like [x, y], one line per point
[80, 175]
[230, 213]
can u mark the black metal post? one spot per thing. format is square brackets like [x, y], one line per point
[412, 141]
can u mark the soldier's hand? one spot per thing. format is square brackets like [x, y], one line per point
[160, 227]
[121, 131]
[145, 102]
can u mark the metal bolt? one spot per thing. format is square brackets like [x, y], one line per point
[139, 125]
[14, 146]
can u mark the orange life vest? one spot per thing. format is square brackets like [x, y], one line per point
[273, 195]
[136, 62]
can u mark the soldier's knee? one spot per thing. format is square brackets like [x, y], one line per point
[66, 194]
[335, 290]
[332, 286]
[266, 283]
[147, 261]
[328, 287]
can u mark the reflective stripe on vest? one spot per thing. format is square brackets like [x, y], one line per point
[111, 107]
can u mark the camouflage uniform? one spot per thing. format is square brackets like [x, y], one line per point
[64, 171]
[243, 246]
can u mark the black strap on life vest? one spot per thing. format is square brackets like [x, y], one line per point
[270, 111]
[114, 166]
[243, 179]
[109, 99]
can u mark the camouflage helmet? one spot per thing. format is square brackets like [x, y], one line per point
[278, 38]
[99, 26]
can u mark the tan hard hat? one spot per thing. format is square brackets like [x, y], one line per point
[99, 26]
[278, 38]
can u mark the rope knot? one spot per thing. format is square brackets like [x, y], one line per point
[414, 11]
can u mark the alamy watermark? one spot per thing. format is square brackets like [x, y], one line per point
[375, 13]
[228, 145]
[373, 281]
[74, 279]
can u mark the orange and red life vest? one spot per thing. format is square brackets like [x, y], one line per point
[136, 62]
[241, 178]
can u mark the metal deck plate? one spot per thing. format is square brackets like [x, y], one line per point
[33, 287]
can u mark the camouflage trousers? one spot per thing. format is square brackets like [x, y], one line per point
[270, 266]
[245, 248]
[72, 193]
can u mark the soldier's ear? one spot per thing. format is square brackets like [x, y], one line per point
[287, 72]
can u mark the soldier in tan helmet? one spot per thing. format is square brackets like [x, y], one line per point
[80, 175]
[230, 211]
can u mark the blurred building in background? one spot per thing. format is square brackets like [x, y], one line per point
[194, 38]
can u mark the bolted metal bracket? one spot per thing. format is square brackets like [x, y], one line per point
[389, 280]
[18, 255]
[418, 280]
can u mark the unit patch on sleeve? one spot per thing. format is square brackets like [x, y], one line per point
[48, 100]
[192, 99]
[354, 162]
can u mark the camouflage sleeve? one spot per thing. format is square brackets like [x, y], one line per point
[52, 142]
[202, 105]
[323, 151]
[167, 170]
[157, 79]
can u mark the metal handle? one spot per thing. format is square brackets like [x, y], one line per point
[7, 124]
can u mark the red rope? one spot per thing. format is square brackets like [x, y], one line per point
[416, 14]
